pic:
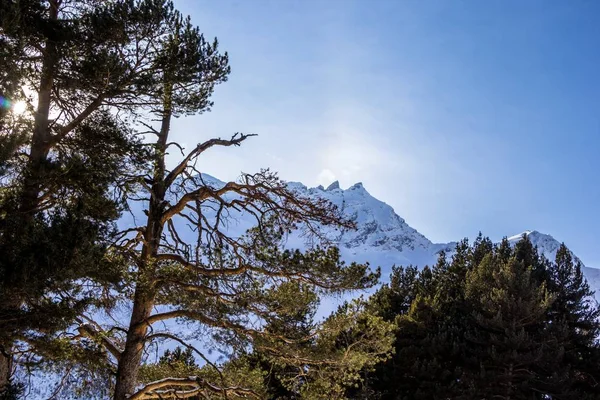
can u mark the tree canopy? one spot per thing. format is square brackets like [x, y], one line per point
[491, 321]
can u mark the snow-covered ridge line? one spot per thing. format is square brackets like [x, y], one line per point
[382, 238]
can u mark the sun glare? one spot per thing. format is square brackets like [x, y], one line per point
[19, 107]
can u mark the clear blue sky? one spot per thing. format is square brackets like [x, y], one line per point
[462, 115]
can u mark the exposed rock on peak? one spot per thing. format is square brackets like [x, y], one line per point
[333, 186]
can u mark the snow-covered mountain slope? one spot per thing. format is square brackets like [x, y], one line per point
[384, 239]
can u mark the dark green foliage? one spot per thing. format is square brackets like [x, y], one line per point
[179, 356]
[13, 391]
[53, 249]
[495, 321]
[506, 340]
[67, 161]
[574, 322]
[296, 322]
[397, 297]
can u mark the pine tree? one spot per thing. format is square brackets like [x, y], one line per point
[396, 297]
[217, 281]
[295, 321]
[390, 302]
[426, 308]
[350, 341]
[509, 309]
[82, 67]
[524, 251]
[574, 319]
[495, 321]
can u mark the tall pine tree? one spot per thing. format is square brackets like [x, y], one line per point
[574, 318]
[216, 280]
[505, 338]
[81, 67]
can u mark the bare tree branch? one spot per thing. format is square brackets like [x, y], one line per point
[94, 332]
[152, 390]
[195, 350]
[235, 140]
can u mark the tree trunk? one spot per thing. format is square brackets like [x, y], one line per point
[41, 135]
[143, 301]
[131, 358]
[5, 369]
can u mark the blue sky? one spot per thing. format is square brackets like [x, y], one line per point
[465, 116]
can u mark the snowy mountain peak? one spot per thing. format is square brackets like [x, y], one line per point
[519, 236]
[335, 185]
[384, 239]
[546, 244]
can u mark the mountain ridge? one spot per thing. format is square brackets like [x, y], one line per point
[383, 238]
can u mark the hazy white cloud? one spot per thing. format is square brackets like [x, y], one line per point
[325, 177]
